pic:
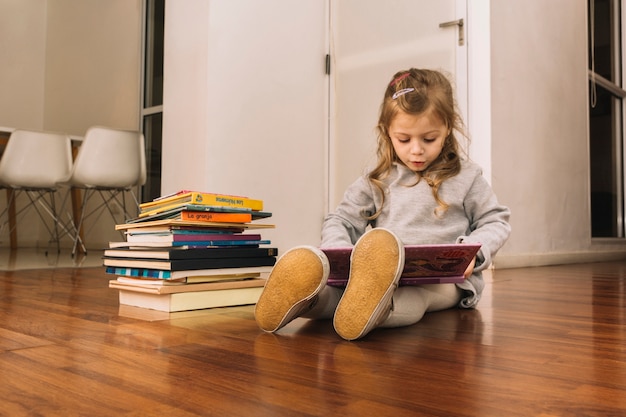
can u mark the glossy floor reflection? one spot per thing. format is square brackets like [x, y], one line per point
[546, 341]
[38, 258]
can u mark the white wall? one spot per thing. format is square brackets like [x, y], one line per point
[68, 65]
[185, 97]
[244, 107]
[22, 73]
[93, 64]
[540, 158]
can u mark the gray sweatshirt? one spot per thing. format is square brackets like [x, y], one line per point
[473, 216]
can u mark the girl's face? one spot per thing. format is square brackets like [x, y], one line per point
[417, 140]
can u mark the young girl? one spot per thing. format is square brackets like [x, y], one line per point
[420, 192]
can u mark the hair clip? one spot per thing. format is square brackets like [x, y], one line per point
[402, 92]
[399, 78]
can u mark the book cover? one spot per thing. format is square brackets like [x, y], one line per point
[202, 198]
[190, 237]
[175, 289]
[175, 228]
[194, 253]
[198, 244]
[189, 264]
[172, 213]
[424, 264]
[180, 231]
[188, 274]
[256, 214]
[194, 300]
[187, 280]
[175, 222]
[208, 216]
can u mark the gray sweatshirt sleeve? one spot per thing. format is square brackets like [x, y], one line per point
[489, 222]
[348, 222]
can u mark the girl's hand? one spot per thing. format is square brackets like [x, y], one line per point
[470, 269]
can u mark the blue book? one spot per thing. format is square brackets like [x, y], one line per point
[164, 274]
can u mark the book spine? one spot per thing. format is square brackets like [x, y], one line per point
[182, 287]
[162, 274]
[199, 244]
[168, 253]
[206, 199]
[139, 272]
[207, 216]
[191, 300]
[186, 264]
[226, 200]
[188, 237]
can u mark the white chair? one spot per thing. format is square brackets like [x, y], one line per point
[110, 162]
[33, 164]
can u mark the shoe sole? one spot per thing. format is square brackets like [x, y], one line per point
[376, 264]
[298, 276]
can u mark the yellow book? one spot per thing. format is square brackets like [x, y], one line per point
[195, 197]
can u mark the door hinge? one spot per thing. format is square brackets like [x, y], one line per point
[327, 69]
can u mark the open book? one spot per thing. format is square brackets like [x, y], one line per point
[423, 264]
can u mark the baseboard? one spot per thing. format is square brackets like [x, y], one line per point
[504, 261]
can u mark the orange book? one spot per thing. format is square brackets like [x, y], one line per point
[209, 216]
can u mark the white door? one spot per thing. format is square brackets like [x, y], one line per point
[370, 40]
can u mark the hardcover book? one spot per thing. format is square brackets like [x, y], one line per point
[195, 197]
[189, 244]
[175, 222]
[190, 273]
[423, 264]
[207, 216]
[175, 213]
[187, 280]
[175, 228]
[194, 253]
[189, 237]
[189, 264]
[195, 300]
[174, 289]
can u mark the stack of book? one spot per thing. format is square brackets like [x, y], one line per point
[192, 250]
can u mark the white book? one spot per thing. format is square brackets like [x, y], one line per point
[202, 286]
[185, 301]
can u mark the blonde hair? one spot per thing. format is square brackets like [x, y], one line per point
[415, 92]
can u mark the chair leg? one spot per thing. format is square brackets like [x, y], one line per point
[49, 206]
[77, 237]
[55, 219]
[11, 220]
[44, 204]
[9, 212]
[108, 199]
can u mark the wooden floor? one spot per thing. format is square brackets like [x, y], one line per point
[547, 341]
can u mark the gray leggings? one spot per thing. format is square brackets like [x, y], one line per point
[410, 303]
